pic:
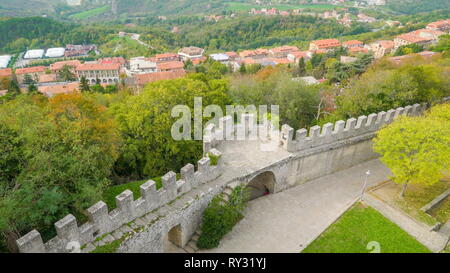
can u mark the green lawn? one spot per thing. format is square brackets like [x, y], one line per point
[239, 6]
[90, 13]
[359, 226]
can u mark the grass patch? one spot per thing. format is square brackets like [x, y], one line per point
[442, 211]
[90, 13]
[359, 226]
[108, 248]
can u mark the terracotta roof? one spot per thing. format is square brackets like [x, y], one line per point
[47, 78]
[299, 54]
[166, 55]
[283, 49]
[142, 79]
[51, 90]
[113, 60]
[172, 65]
[386, 44]
[98, 66]
[281, 60]
[439, 24]
[29, 70]
[198, 60]
[191, 50]
[358, 50]
[413, 38]
[352, 43]
[327, 43]
[232, 54]
[250, 53]
[60, 65]
[6, 72]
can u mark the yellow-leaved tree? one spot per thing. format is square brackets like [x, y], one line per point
[417, 149]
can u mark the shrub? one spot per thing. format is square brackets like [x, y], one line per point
[220, 217]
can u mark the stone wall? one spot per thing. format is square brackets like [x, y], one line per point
[322, 151]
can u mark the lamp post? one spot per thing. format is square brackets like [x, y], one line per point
[365, 185]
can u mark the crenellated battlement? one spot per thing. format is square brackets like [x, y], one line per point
[102, 221]
[341, 130]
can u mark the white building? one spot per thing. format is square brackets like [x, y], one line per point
[55, 52]
[140, 65]
[220, 57]
[4, 61]
[34, 54]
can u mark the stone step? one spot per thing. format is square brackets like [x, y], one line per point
[193, 245]
[189, 249]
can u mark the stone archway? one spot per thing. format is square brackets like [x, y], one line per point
[175, 236]
[262, 184]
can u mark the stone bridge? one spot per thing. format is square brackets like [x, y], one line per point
[250, 154]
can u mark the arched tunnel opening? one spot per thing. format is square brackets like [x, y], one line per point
[261, 185]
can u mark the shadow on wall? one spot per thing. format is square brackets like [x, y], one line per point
[262, 184]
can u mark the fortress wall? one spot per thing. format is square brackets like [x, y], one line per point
[101, 221]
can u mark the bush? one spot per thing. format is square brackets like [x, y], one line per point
[220, 217]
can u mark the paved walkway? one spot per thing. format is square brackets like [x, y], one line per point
[288, 221]
[434, 241]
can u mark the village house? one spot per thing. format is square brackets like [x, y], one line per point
[140, 80]
[324, 45]
[35, 72]
[282, 51]
[166, 57]
[408, 38]
[255, 54]
[400, 59]
[232, 55]
[382, 48]
[6, 73]
[297, 55]
[52, 90]
[79, 50]
[443, 25]
[170, 66]
[108, 73]
[57, 67]
[352, 44]
[220, 57]
[46, 78]
[191, 52]
[141, 65]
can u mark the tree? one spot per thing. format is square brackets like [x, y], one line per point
[242, 69]
[59, 154]
[28, 79]
[416, 149]
[13, 88]
[301, 67]
[66, 73]
[84, 85]
[32, 89]
[145, 122]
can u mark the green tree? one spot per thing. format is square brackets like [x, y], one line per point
[84, 85]
[416, 149]
[32, 89]
[66, 73]
[28, 79]
[301, 67]
[145, 122]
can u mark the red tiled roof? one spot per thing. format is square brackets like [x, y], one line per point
[166, 55]
[51, 90]
[352, 43]
[29, 70]
[387, 44]
[283, 49]
[413, 38]
[198, 60]
[281, 60]
[439, 24]
[172, 65]
[299, 54]
[6, 72]
[250, 53]
[327, 43]
[142, 79]
[232, 54]
[358, 50]
[113, 60]
[60, 65]
[47, 78]
[98, 66]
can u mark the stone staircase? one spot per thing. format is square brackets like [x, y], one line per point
[191, 246]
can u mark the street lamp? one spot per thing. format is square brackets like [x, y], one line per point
[365, 184]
